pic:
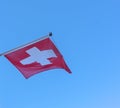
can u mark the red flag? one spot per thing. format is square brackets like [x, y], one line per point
[37, 57]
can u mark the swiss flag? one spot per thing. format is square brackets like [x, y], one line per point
[37, 57]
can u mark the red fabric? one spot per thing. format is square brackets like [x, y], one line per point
[30, 69]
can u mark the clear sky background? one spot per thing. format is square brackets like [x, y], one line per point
[87, 32]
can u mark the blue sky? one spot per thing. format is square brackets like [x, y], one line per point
[87, 34]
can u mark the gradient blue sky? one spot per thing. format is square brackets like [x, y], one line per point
[87, 32]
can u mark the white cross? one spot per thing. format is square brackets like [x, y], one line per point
[38, 56]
